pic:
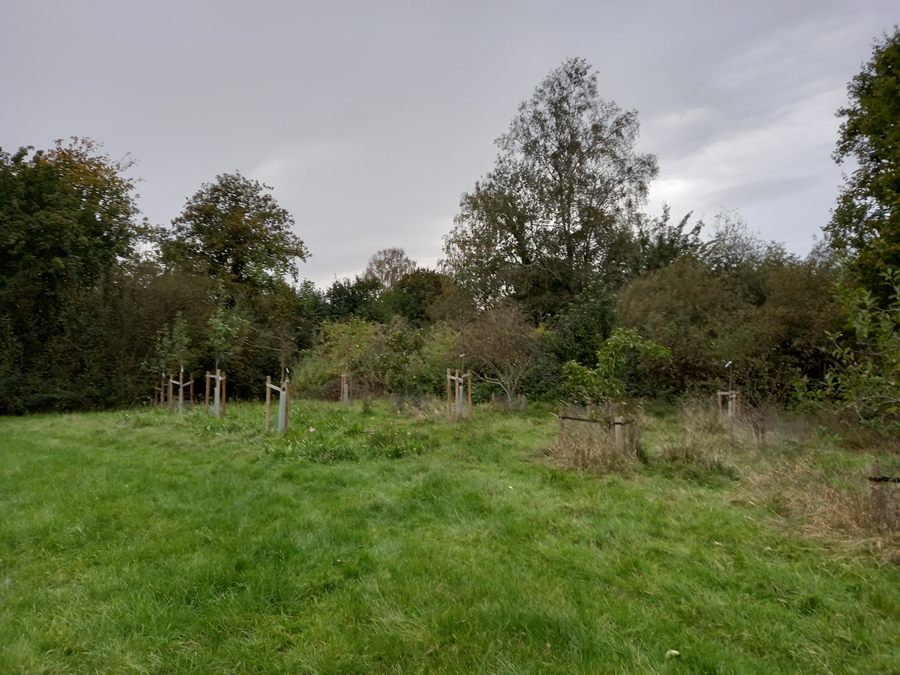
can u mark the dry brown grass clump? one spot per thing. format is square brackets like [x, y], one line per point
[702, 440]
[803, 475]
[884, 500]
[795, 475]
[815, 502]
[820, 504]
[601, 456]
[421, 407]
[827, 502]
[591, 445]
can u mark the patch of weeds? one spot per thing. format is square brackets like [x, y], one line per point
[598, 455]
[395, 443]
[309, 449]
[337, 422]
[587, 442]
[356, 428]
[826, 436]
[696, 450]
[280, 448]
[242, 423]
[712, 473]
[812, 498]
[206, 428]
[696, 460]
[419, 407]
[144, 418]
[323, 453]
[640, 453]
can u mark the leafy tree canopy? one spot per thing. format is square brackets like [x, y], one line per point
[659, 242]
[66, 218]
[415, 295]
[583, 326]
[555, 212]
[357, 298]
[606, 381]
[66, 214]
[866, 221]
[768, 315]
[388, 266]
[234, 230]
[865, 374]
[502, 347]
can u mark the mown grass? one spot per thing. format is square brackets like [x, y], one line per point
[370, 542]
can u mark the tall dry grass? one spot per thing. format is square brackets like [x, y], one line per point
[809, 478]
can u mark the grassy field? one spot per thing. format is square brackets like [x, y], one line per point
[371, 542]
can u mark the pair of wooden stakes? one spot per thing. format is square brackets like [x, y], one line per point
[164, 394]
[455, 384]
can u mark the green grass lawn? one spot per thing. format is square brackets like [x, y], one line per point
[366, 542]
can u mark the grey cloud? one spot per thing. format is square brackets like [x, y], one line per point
[369, 119]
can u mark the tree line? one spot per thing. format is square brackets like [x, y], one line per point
[553, 281]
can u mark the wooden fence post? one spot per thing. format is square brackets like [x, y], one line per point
[345, 390]
[268, 402]
[216, 394]
[884, 499]
[449, 416]
[171, 398]
[207, 392]
[620, 444]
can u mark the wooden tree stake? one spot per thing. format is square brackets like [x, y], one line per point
[216, 394]
[620, 443]
[287, 403]
[268, 402]
[458, 402]
[449, 415]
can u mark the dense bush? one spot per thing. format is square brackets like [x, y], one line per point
[768, 317]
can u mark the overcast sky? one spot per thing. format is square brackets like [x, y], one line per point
[370, 119]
